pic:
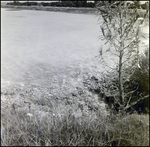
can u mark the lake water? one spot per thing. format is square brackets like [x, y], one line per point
[38, 42]
[58, 39]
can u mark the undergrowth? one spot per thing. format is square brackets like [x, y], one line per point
[29, 127]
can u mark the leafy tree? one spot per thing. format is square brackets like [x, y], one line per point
[16, 2]
[81, 3]
[84, 3]
[121, 29]
[137, 4]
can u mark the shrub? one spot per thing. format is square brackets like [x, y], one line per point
[45, 4]
[140, 79]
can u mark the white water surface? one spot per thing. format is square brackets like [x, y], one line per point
[33, 40]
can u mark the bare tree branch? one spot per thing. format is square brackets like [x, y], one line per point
[131, 91]
[134, 103]
[129, 44]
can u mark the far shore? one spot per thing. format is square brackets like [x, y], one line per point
[56, 9]
[79, 10]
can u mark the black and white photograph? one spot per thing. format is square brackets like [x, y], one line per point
[75, 73]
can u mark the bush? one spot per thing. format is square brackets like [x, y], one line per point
[140, 79]
[45, 4]
[90, 4]
[145, 6]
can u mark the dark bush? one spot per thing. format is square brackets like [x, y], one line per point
[9, 4]
[140, 79]
[144, 6]
[34, 3]
[72, 4]
[28, 4]
[52, 4]
[45, 4]
[139, 83]
[90, 4]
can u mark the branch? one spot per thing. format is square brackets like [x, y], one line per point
[115, 45]
[127, 79]
[134, 103]
[111, 42]
[108, 65]
[127, 30]
[125, 61]
[131, 25]
[106, 23]
[130, 93]
[129, 44]
[131, 37]
[117, 101]
[114, 53]
[128, 101]
[101, 10]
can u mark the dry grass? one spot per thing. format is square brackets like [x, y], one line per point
[65, 125]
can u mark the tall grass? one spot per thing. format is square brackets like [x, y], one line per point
[24, 126]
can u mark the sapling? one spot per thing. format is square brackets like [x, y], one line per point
[121, 31]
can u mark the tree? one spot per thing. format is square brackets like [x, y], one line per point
[137, 4]
[16, 1]
[121, 31]
[84, 3]
[81, 3]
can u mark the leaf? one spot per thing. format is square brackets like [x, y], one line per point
[103, 31]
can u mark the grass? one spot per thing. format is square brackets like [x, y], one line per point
[65, 125]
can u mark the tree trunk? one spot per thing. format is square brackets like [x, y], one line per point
[121, 94]
[120, 79]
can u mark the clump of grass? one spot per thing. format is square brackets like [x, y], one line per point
[30, 127]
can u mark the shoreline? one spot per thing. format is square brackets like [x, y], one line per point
[75, 10]
[55, 9]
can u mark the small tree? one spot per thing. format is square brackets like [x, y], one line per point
[121, 29]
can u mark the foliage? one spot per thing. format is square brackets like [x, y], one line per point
[121, 31]
[145, 6]
[82, 3]
[70, 3]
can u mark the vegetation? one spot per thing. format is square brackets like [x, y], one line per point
[82, 3]
[122, 32]
[23, 126]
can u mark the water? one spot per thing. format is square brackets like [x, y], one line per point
[33, 40]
